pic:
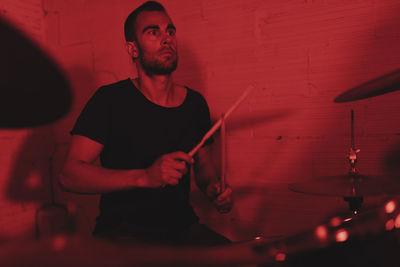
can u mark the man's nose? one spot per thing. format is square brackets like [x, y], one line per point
[166, 39]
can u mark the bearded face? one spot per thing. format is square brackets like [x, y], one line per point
[164, 61]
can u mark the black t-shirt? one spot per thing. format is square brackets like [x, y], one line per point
[135, 132]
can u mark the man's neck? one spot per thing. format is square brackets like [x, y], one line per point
[157, 88]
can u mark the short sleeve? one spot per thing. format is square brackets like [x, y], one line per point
[93, 122]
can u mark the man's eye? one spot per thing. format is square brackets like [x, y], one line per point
[171, 33]
[153, 32]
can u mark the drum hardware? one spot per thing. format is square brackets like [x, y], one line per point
[354, 200]
[343, 236]
[353, 186]
[384, 84]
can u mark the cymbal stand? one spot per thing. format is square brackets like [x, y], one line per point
[352, 156]
[354, 200]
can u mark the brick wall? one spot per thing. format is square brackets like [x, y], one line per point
[298, 54]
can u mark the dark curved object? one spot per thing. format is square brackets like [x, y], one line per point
[382, 85]
[33, 90]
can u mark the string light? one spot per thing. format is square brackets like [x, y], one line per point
[280, 256]
[389, 225]
[335, 221]
[322, 233]
[59, 242]
[341, 235]
[390, 207]
[348, 219]
[397, 221]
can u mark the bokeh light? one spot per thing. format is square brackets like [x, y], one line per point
[341, 235]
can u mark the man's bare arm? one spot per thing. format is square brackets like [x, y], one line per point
[81, 174]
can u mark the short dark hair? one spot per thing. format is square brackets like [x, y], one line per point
[130, 22]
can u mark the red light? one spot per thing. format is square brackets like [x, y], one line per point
[389, 225]
[397, 221]
[349, 219]
[322, 233]
[280, 257]
[33, 181]
[59, 242]
[335, 221]
[390, 207]
[341, 235]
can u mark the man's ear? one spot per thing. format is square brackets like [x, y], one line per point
[132, 49]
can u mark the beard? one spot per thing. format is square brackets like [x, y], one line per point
[158, 66]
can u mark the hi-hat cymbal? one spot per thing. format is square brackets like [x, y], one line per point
[346, 186]
[384, 84]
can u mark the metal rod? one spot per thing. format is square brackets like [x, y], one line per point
[352, 130]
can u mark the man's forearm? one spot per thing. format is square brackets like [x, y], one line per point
[82, 177]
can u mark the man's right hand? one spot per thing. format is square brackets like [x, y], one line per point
[168, 169]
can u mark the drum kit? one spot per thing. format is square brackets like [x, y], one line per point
[372, 235]
[354, 186]
[365, 238]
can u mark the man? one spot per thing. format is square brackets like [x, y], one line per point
[142, 129]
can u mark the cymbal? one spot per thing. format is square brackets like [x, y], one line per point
[384, 84]
[34, 91]
[346, 186]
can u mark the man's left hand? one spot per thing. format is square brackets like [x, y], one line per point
[222, 200]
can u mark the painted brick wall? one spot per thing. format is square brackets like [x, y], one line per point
[298, 54]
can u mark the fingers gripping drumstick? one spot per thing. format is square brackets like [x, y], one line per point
[219, 122]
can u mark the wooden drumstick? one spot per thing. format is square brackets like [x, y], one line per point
[218, 123]
[223, 153]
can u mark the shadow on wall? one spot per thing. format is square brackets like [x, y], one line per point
[391, 161]
[386, 60]
[84, 206]
[190, 72]
[30, 176]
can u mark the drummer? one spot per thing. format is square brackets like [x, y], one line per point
[142, 128]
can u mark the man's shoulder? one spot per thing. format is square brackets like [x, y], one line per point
[114, 88]
[196, 96]
[122, 84]
[192, 92]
